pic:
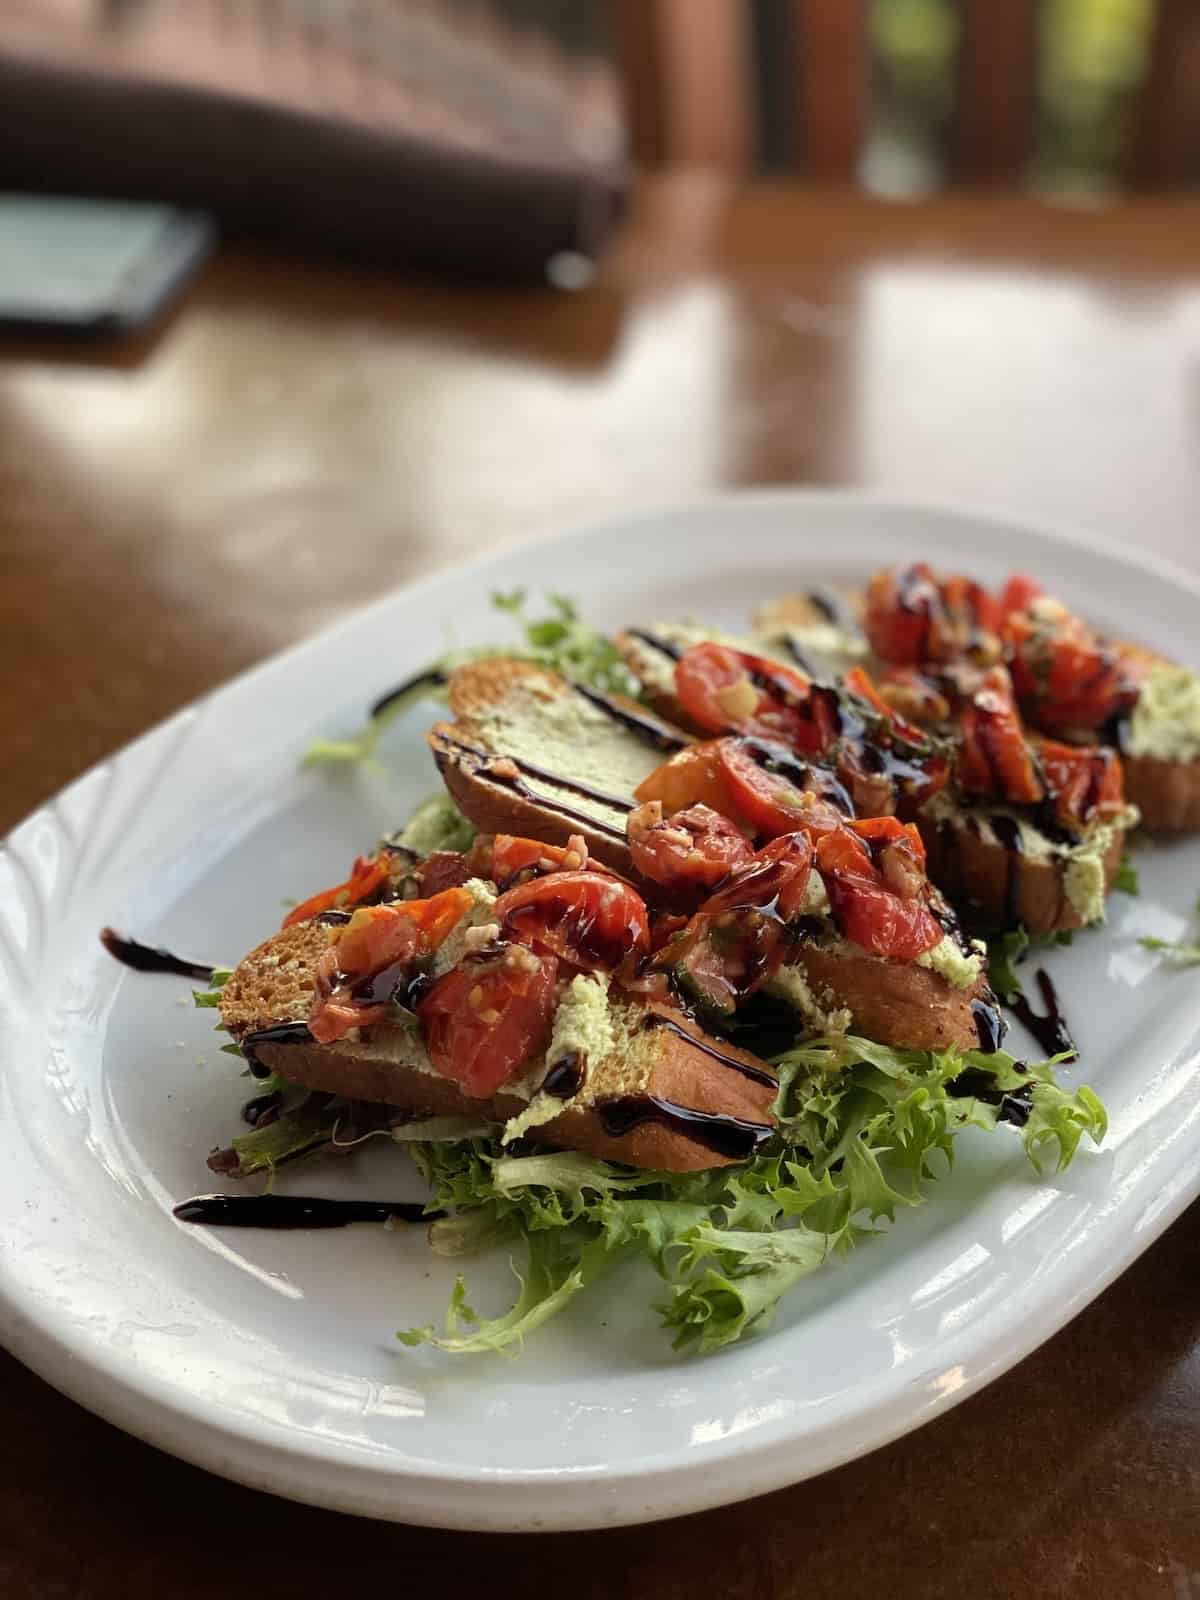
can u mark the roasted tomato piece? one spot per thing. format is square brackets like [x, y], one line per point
[508, 860]
[695, 776]
[915, 697]
[877, 889]
[368, 875]
[444, 869]
[724, 690]
[777, 792]
[687, 853]
[1067, 677]
[592, 922]
[1018, 594]
[914, 615]
[775, 878]
[721, 959]
[995, 758]
[486, 1017]
[859, 683]
[373, 956]
[1084, 781]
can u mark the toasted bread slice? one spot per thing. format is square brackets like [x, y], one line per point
[528, 753]
[898, 1002]
[1167, 793]
[664, 1096]
[1017, 877]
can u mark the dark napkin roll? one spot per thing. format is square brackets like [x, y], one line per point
[301, 179]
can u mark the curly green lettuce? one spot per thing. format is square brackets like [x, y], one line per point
[863, 1129]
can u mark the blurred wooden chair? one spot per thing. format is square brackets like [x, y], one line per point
[690, 68]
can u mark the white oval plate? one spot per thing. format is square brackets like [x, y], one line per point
[270, 1357]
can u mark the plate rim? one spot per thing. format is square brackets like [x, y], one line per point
[258, 1454]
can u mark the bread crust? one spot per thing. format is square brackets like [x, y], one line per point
[275, 983]
[895, 1002]
[1008, 886]
[1167, 793]
[495, 807]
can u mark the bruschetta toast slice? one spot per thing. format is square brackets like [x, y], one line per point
[1071, 683]
[623, 1077]
[530, 754]
[509, 713]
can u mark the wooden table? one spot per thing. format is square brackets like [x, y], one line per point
[298, 439]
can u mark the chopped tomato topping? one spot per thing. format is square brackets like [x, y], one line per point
[1084, 781]
[740, 937]
[995, 758]
[486, 1017]
[859, 682]
[914, 697]
[723, 960]
[877, 832]
[758, 783]
[724, 690]
[776, 792]
[444, 869]
[510, 860]
[368, 874]
[775, 877]
[1018, 592]
[591, 921]
[914, 615]
[688, 853]
[876, 889]
[373, 955]
[693, 777]
[1065, 675]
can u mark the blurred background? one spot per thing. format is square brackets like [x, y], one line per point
[407, 130]
[300, 299]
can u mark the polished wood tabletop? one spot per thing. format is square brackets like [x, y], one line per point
[298, 438]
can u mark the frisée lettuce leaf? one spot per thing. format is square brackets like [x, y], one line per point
[863, 1130]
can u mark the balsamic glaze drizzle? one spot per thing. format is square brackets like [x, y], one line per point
[733, 1137]
[755, 1074]
[643, 727]
[431, 678]
[295, 1211]
[486, 769]
[990, 1026]
[665, 646]
[1049, 1029]
[831, 606]
[148, 958]
[1014, 1105]
[565, 1077]
[277, 1033]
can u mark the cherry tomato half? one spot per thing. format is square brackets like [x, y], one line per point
[695, 776]
[689, 852]
[995, 758]
[724, 690]
[914, 614]
[1084, 781]
[1017, 593]
[590, 921]
[487, 1016]
[866, 910]
[1065, 675]
[776, 792]
[776, 876]
[377, 940]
